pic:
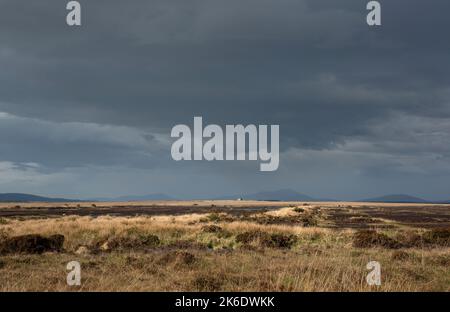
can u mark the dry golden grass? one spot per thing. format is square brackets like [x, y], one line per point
[190, 258]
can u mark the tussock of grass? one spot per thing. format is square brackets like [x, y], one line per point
[133, 241]
[206, 283]
[401, 255]
[264, 239]
[178, 258]
[371, 238]
[439, 237]
[32, 244]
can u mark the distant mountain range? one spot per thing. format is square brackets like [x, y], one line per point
[157, 196]
[279, 195]
[291, 195]
[20, 197]
[396, 198]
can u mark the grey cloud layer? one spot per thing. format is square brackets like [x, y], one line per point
[69, 144]
[133, 70]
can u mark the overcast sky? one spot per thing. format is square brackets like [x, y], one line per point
[87, 111]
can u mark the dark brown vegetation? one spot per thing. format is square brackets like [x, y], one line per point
[131, 241]
[370, 238]
[178, 257]
[264, 239]
[431, 238]
[206, 283]
[212, 229]
[32, 244]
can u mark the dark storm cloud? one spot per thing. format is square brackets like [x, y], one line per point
[314, 67]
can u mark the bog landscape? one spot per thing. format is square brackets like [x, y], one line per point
[224, 245]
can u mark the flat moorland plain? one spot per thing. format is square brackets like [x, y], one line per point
[224, 246]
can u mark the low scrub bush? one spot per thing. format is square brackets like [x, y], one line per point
[371, 239]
